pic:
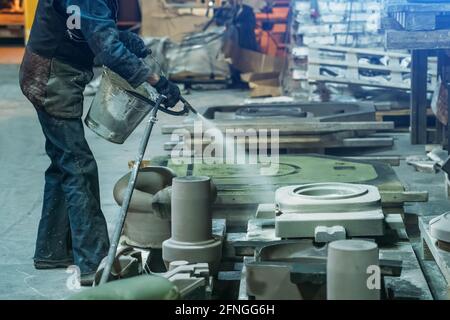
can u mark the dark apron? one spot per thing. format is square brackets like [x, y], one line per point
[53, 86]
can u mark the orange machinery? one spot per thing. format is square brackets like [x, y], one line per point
[272, 30]
[11, 19]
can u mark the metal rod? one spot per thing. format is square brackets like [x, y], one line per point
[129, 192]
[418, 103]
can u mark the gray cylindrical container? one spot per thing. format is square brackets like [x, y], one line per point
[191, 209]
[192, 238]
[114, 112]
[352, 268]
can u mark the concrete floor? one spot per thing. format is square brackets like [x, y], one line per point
[23, 162]
[11, 54]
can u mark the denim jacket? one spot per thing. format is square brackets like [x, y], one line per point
[98, 26]
[97, 39]
[58, 62]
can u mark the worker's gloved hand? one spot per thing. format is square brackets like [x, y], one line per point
[134, 43]
[170, 90]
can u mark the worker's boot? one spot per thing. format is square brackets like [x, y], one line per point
[46, 265]
[87, 279]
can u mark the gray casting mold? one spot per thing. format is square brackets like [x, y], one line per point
[440, 230]
[192, 239]
[144, 227]
[271, 275]
[350, 264]
[192, 280]
[303, 208]
[162, 201]
[309, 111]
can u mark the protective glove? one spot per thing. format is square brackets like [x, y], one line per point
[134, 43]
[170, 90]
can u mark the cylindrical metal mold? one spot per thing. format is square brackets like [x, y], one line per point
[143, 227]
[192, 238]
[191, 209]
[350, 266]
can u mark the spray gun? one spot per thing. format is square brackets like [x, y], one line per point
[187, 107]
[156, 106]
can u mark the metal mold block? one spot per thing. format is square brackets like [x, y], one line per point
[302, 208]
[271, 275]
[440, 227]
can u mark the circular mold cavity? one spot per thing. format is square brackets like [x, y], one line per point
[191, 179]
[330, 191]
[303, 251]
[353, 245]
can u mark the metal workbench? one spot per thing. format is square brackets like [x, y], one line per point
[410, 285]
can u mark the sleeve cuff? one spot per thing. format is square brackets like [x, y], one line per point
[140, 76]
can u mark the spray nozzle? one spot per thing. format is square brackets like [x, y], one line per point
[188, 106]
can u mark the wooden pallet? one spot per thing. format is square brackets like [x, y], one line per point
[417, 40]
[395, 113]
[381, 115]
[418, 16]
[347, 61]
[430, 250]
[328, 141]
[294, 134]
[315, 111]
[288, 126]
[188, 4]
[11, 19]
[417, 26]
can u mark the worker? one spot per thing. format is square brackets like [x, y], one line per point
[245, 21]
[240, 22]
[56, 67]
[240, 19]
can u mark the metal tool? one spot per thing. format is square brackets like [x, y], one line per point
[134, 175]
[129, 192]
[188, 106]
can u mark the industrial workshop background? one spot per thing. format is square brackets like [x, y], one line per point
[230, 150]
